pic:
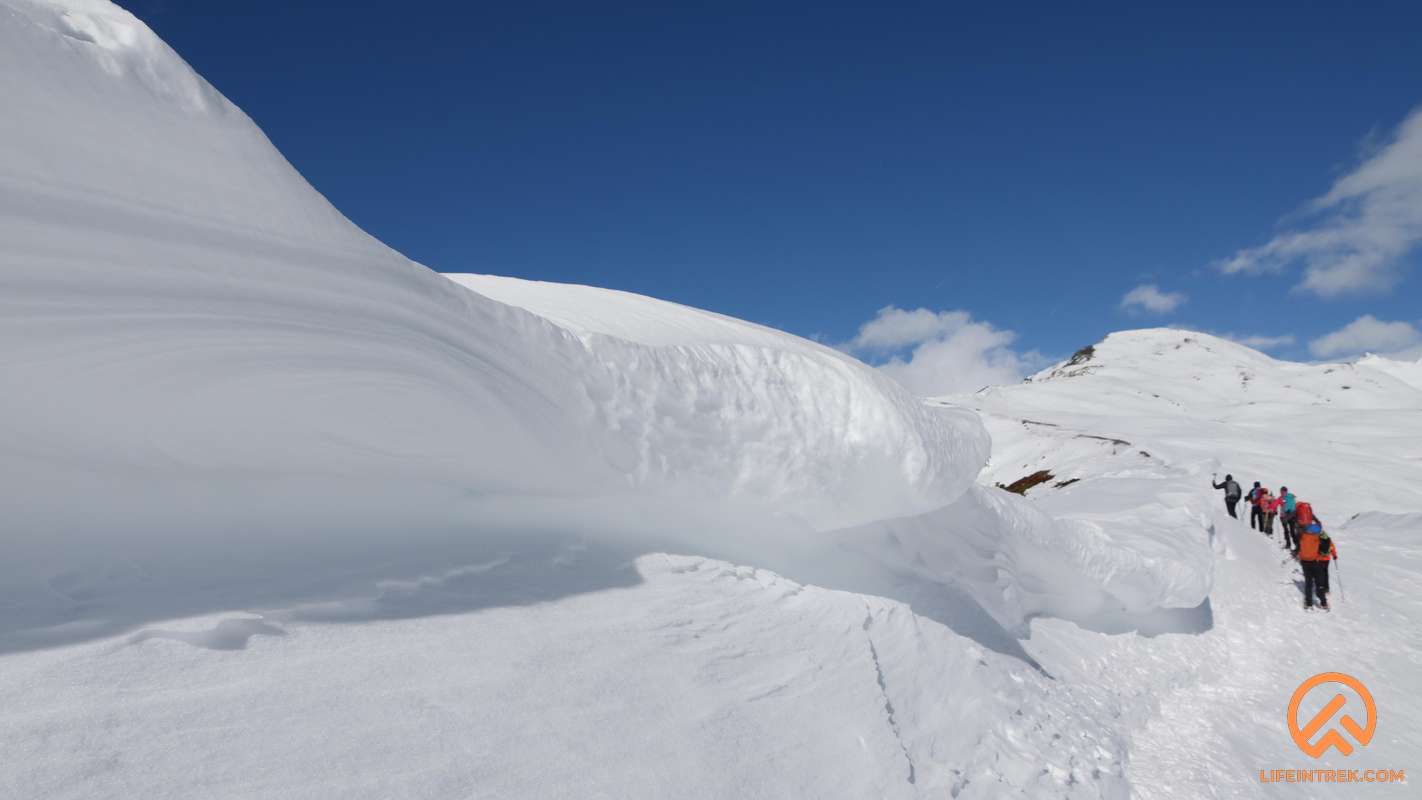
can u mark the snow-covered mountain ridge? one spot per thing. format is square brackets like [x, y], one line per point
[1344, 435]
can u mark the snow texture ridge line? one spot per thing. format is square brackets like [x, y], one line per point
[884, 690]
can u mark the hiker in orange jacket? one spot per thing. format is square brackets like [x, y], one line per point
[1316, 549]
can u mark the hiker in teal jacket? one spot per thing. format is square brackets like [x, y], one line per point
[1289, 514]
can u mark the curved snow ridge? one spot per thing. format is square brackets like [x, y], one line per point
[588, 310]
[819, 438]
[700, 399]
[172, 147]
[124, 47]
[191, 373]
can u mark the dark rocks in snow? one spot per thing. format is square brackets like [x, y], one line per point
[1021, 485]
[1121, 442]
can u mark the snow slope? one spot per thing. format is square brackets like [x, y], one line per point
[1132, 433]
[1345, 436]
[1409, 372]
[219, 364]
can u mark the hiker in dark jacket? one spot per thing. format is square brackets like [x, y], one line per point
[1231, 490]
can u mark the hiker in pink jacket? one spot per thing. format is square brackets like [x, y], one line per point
[1269, 504]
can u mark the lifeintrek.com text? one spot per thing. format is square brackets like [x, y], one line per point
[1332, 776]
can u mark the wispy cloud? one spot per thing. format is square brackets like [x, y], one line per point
[947, 351]
[1360, 231]
[1367, 334]
[1149, 297]
[1260, 341]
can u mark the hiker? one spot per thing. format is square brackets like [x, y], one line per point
[1316, 549]
[1256, 516]
[1287, 515]
[1231, 490]
[1303, 517]
[1269, 507]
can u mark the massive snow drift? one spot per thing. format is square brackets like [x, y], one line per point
[288, 515]
[204, 361]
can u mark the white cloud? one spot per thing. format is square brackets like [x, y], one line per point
[950, 351]
[1362, 229]
[1149, 297]
[1259, 341]
[893, 328]
[1367, 334]
[1413, 353]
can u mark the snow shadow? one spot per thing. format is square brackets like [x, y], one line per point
[416, 575]
[1196, 620]
[229, 634]
[524, 572]
[453, 558]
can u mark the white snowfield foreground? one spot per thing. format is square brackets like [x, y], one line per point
[289, 516]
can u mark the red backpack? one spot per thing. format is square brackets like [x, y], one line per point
[1303, 514]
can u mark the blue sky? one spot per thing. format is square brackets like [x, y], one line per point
[805, 166]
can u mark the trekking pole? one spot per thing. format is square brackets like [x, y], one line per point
[1341, 596]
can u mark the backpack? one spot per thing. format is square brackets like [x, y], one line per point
[1303, 515]
[1325, 545]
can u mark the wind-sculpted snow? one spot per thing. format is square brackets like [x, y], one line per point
[1014, 561]
[210, 373]
[251, 396]
[1017, 563]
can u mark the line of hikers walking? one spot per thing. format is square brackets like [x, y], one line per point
[1304, 535]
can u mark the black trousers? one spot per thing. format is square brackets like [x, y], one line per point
[1256, 517]
[1230, 503]
[1291, 535]
[1315, 581]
